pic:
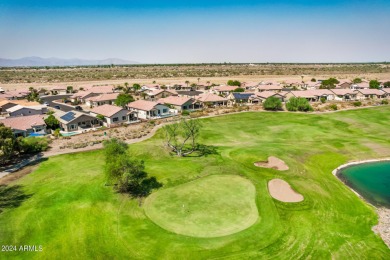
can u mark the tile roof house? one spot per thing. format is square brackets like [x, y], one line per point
[15, 94]
[269, 88]
[312, 95]
[108, 98]
[114, 115]
[363, 85]
[5, 104]
[146, 109]
[75, 121]
[262, 96]
[343, 94]
[20, 110]
[239, 97]
[210, 99]
[25, 125]
[180, 103]
[188, 93]
[58, 90]
[370, 94]
[160, 93]
[223, 90]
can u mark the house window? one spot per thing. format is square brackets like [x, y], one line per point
[72, 127]
[123, 117]
[115, 119]
[184, 107]
[165, 110]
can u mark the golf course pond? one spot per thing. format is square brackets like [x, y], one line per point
[371, 180]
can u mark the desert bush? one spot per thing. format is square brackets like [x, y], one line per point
[323, 100]
[298, 104]
[272, 103]
[385, 102]
[33, 144]
[333, 107]
[357, 103]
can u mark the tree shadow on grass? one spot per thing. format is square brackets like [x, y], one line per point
[12, 196]
[204, 150]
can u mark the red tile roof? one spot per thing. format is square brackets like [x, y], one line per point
[23, 122]
[104, 97]
[210, 97]
[174, 100]
[106, 110]
[143, 105]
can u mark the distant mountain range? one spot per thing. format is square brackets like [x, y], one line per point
[38, 61]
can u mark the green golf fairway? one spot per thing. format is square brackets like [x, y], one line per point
[72, 214]
[209, 207]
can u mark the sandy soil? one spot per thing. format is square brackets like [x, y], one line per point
[274, 163]
[383, 227]
[281, 190]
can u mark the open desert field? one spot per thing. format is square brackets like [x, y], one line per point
[214, 206]
[22, 78]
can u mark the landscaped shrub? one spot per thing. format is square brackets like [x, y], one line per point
[33, 144]
[385, 102]
[333, 107]
[357, 103]
[185, 113]
[323, 99]
[272, 103]
[298, 104]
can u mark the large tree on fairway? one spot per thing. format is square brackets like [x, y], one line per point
[8, 143]
[298, 104]
[125, 171]
[181, 137]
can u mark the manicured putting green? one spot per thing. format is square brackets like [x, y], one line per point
[212, 206]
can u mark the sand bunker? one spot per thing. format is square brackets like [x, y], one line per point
[281, 190]
[274, 163]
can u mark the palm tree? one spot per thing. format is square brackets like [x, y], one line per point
[187, 82]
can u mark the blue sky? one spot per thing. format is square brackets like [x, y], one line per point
[197, 31]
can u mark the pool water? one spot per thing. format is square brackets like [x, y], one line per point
[370, 180]
[69, 133]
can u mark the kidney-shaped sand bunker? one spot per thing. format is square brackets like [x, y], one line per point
[212, 206]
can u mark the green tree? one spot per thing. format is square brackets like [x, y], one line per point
[69, 89]
[136, 87]
[239, 90]
[386, 84]
[357, 80]
[234, 83]
[123, 99]
[298, 104]
[272, 103]
[182, 137]
[375, 84]
[100, 117]
[8, 143]
[52, 122]
[313, 80]
[128, 173]
[329, 83]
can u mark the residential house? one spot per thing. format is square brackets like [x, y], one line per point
[223, 90]
[312, 95]
[180, 103]
[260, 97]
[58, 91]
[76, 121]
[249, 85]
[210, 99]
[146, 109]
[102, 99]
[20, 110]
[159, 93]
[344, 85]
[188, 93]
[370, 94]
[5, 104]
[363, 85]
[239, 97]
[344, 94]
[114, 115]
[15, 94]
[276, 88]
[26, 125]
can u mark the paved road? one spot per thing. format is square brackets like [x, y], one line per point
[50, 99]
